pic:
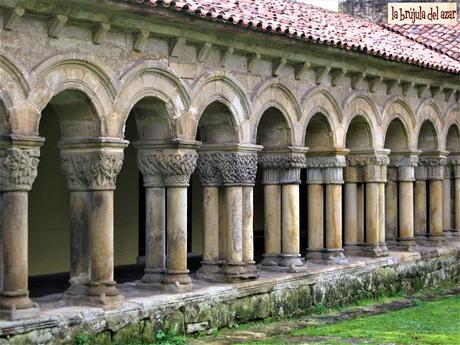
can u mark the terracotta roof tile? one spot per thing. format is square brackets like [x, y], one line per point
[310, 23]
[442, 38]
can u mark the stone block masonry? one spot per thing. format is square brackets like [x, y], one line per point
[213, 306]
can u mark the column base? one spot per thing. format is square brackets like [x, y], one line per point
[353, 249]
[16, 305]
[373, 250]
[406, 244]
[293, 263]
[314, 254]
[447, 233]
[78, 286]
[211, 271]
[177, 281]
[383, 248]
[334, 256]
[98, 294]
[153, 275]
[239, 271]
[455, 232]
[270, 260]
[436, 240]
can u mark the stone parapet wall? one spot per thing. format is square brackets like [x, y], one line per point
[217, 306]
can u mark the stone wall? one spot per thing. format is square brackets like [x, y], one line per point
[221, 306]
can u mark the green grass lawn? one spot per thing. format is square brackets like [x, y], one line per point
[429, 323]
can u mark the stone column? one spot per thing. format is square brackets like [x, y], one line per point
[354, 206]
[171, 166]
[315, 217]
[375, 175]
[155, 217]
[19, 159]
[290, 212]
[434, 163]
[234, 168]
[272, 211]
[405, 165]
[211, 265]
[420, 203]
[391, 205]
[446, 201]
[238, 168]
[91, 167]
[455, 169]
[333, 179]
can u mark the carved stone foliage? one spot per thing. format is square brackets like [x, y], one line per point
[454, 170]
[96, 170]
[404, 166]
[167, 168]
[325, 169]
[281, 168]
[372, 168]
[431, 168]
[227, 168]
[18, 168]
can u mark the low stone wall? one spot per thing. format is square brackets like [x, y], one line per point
[215, 306]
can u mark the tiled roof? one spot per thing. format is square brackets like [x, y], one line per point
[442, 38]
[305, 22]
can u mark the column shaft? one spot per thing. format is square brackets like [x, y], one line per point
[272, 213]
[361, 213]
[435, 207]
[101, 245]
[80, 209]
[446, 204]
[457, 204]
[290, 226]
[177, 272]
[406, 211]
[372, 214]
[248, 224]
[334, 216]
[15, 294]
[222, 225]
[351, 214]
[211, 224]
[391, 210]
[420, 200]
[382, 217]
[155, 235]
[315, 220]
[234, 197]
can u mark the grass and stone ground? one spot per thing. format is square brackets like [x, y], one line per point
[428, 318]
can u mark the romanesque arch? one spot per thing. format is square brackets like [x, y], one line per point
[273, 129]
[396, 135]
[73, 72]
[154, 81]
[359, 134]
[427, 136]
[429, 111]
[318, 134]
[399, 109]
[217, 125]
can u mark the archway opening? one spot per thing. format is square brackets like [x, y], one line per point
[4, 123]
[427, 139]
[453, 139]
[273, 132]
[69, 115]
[396, 136]
[359, 136]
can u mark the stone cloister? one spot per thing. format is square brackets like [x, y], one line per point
[359, 155]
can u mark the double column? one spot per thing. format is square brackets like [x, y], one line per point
[166, 169]
[227, 174]
[454, 178]
[399, 199]
[281, 179]
[325, 180]
[429, 196]
[19, 157]
[369, 170]
[91, 168]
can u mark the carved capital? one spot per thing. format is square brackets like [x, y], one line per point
[166, 167]
[328, 169]
[281, 167]
[454, 164]
[405, 166]
[18, 168]
[367, 168]
[93, 170]
[431, 168]
[227, 168]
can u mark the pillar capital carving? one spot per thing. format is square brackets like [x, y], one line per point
[168, 164]
[228, 165]
[367, 166]
[325, 169]
[404, 165]
[19, 158]
[282, 166]
[92, 165]
[431, 166]
[453, 166]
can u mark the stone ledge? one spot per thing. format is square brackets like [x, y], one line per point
[218, 305]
